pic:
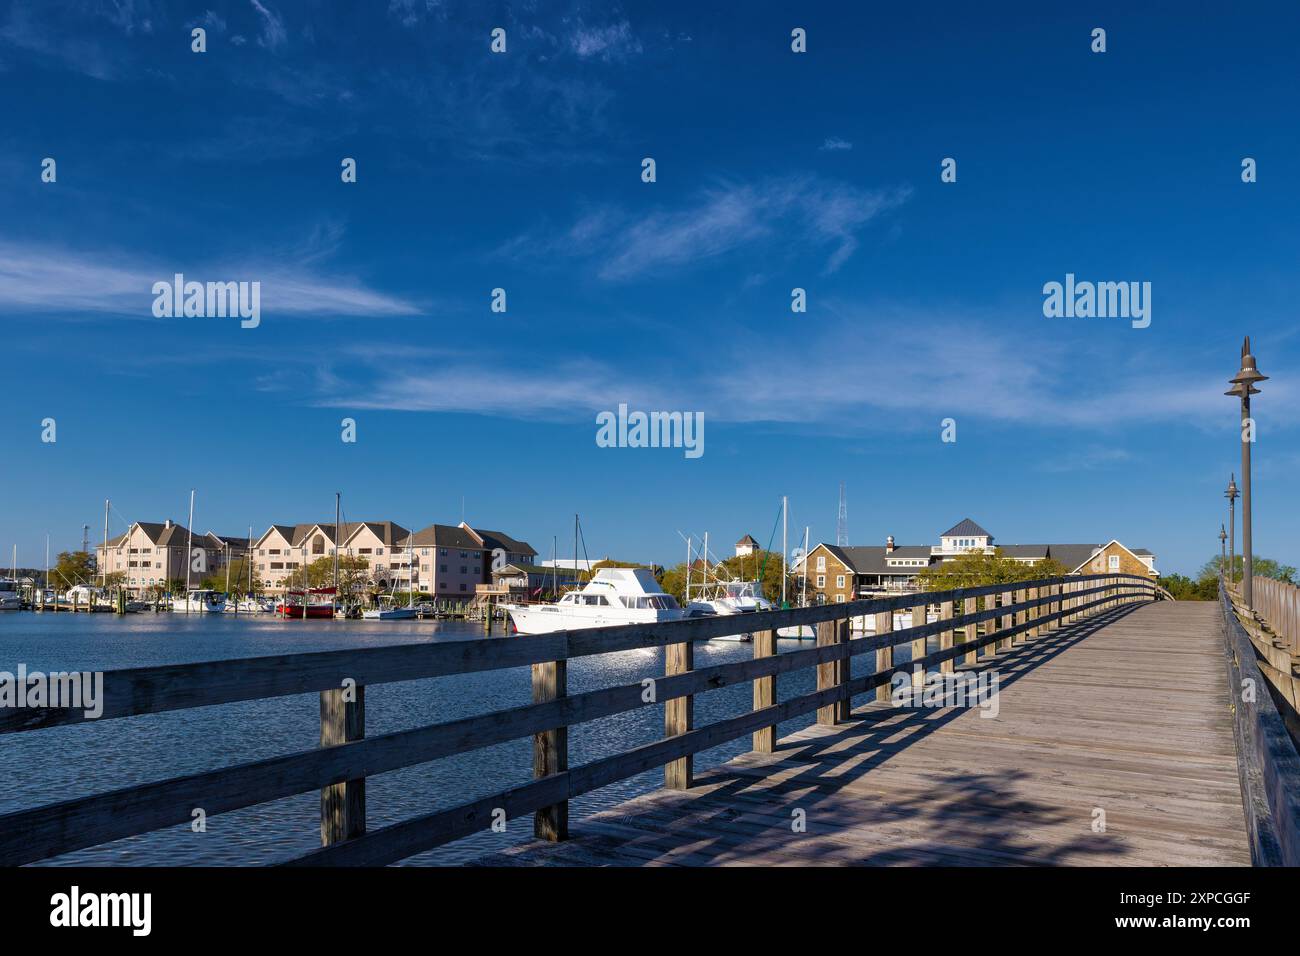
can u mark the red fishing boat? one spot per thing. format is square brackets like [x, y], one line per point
[302, 605]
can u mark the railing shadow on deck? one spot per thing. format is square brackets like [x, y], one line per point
[956, 812]
[339, 767]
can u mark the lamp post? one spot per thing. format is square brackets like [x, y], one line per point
[1231, 495]
[1223, 551]
[1243, 386]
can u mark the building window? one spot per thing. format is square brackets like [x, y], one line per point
[1114, 562]
[839, 580]
[839, 599]
[821, 562]
[821, 580]
[462, 585]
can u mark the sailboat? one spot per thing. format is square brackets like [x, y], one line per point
[389, 611]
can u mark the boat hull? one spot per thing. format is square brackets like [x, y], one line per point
[548, 618]
[294, 612]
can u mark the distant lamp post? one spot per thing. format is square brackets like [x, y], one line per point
[1223, 551]
[1231, 495]
[1243, 386]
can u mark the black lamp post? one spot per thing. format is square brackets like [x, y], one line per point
[1223, 551]
[1243, 386]
[1231, 495]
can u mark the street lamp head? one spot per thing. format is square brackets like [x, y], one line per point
[1243, 383]
[1231, 493]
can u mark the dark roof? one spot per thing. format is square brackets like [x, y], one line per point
[966, 527]
[497, 539]
[1142, 551]
[868, 559]
[747, 539]
[911, 551]
[1025, 550]
[446, 536]
[1072, 555]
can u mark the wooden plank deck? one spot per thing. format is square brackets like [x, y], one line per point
[1127, 713]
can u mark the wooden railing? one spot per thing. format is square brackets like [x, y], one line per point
[1267, 759]
[971, 620]
[1278, 603]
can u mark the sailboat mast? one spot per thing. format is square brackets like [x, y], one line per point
[706, 559]
[189, 540]
[688, 569]
[803, 578]
[104, 575]
[784, 548]
[575, 549]
[334, 602]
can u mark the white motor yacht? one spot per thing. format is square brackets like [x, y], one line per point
[200, 601]
[11, 598]
[614, 596]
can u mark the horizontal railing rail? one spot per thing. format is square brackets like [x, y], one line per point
[346, 756]
[1267, 759]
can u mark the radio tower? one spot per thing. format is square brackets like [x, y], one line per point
[842, 522]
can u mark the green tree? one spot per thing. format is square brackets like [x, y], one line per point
[238, 578]
[1184, 588]
[976, 568]
[72, 568]
[1260, 567]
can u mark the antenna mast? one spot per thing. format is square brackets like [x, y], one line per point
[842, 522]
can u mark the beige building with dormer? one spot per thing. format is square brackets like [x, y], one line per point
[149, 554]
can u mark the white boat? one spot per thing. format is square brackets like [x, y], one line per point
[11, 598]
[731, 597]
[249, 605]
[614, 596]
[390, 612]
[200, 601]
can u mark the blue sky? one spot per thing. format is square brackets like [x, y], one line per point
[521, 171]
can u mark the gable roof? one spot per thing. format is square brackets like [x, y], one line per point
[966, 527]
[1103, 547]
[446, 536]
[497, 539]
[749, 540]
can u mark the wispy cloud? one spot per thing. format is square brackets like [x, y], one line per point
[970, 368]
[56, 278]
[273, 34]
[612, 42]
[825, 215]
[835, 144]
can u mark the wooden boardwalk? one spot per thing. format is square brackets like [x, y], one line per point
[1126, 713]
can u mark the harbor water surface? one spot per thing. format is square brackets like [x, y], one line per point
[46, 766]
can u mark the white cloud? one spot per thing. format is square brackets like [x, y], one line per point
[273, 32]
[920, 367]
[608, 43]
[833, 144]
[52, 278]
[720, 220]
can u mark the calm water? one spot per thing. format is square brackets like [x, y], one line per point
[49, 765]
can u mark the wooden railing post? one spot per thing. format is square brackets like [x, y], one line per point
[342, 805]
[551, 749]
[832, 673]
[765, 691]
[946, 638]
[1008, 620]
[679, 716]
[971, 630]
[884, 655]
[918, 647]
[1032, 614]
